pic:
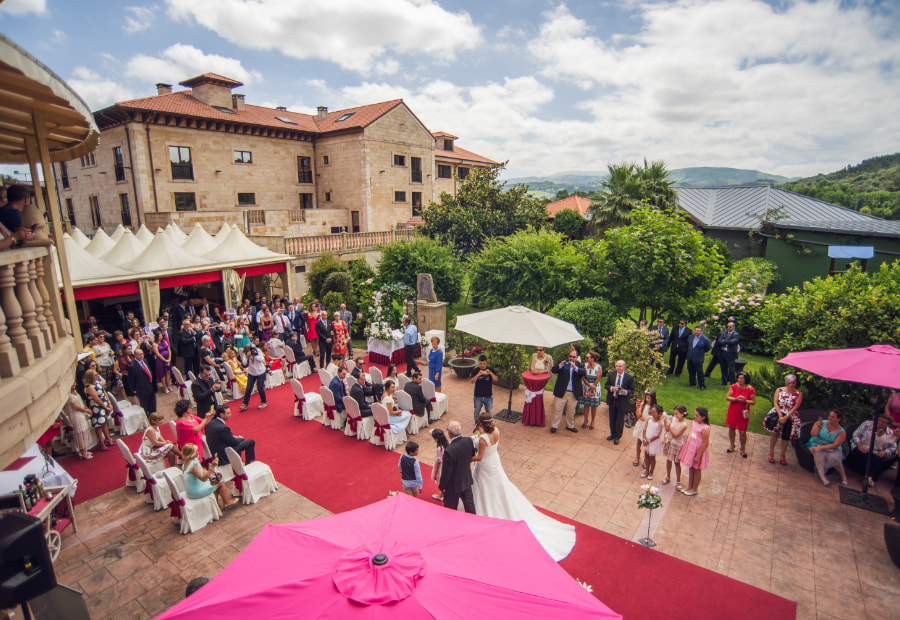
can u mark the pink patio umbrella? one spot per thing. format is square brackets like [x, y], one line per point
[398, 558]
[878, 364]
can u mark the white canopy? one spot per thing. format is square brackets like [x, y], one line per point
[80, 238]
[518, 325]
[100, 244]
[175, 233]
[144, 235]
[117, 233]
[239, 247]
[127, 248]
[223, 231]
[199, 242]
[85, 266]
[163, 254]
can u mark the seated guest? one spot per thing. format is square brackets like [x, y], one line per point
[826, 442]
[414, 389]
[207, 354]
[196, 478]
[240, 375]
[338, 388]
[293, 343]
[391, 373]
[219, 437]
[883, 453]
[337, 361]
[272, 363]
[154, 446]
[204, 390]
[360, 391]
[398, 418]
[189, 428]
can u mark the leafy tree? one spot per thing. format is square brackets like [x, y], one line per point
[657, 264]
[629, 186]
[562, 194]
[632, 345]
[502, 356]
[333, 300]
[568, 222]
[319, 270]
[339, 282]
[401, 261]
[593, 317]
[481, 210]
[534, 269]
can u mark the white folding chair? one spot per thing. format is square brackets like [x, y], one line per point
[333, 418]
[377, 377]
[232, 383]
[357, 426]
[289, 362]
[348, 382]
[274, 378]
[402, 380]
[193, 514]
[439, 402]
[416, 423]
[307, 406]
[184, 387]
[156, 491]
[324, 376]
[382, 435]
[132, 472]
[276, 348]
[191, 376]
[128, 418]
[255, 480]
[350, 366]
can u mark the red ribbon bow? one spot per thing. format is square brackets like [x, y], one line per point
[329, 411]
[132, 471]
[181, 389]
[148, 486]
[351, 422]
[175, 508]
[380, 428]
[239, 482]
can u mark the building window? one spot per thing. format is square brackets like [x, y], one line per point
[304, 170]
[448, 144]
[126, 210]
[180, 156]
[88, 160]
[399, 196]
[243, 157]
[70, 207]
[64, 174]
[462, 173]
[400, 160]
[327, 196]
[415, 169]
[325, 161]
[185, 201]
[444, 171]
[306, 201]
[96, 222]
[246, 198]
[118, 164]
[417, 204]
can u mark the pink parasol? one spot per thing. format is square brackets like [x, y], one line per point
[878, 364]
[399, 558]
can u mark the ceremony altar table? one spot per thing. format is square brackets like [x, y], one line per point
[533, 411]
[386, 352]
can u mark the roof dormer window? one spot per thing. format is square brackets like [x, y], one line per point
[344, 117]
[448, 144]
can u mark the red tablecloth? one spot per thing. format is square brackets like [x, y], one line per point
[396, 357]
[533, 412]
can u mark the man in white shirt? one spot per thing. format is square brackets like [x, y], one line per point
[281, 322]
[410, 341]
[255, 362]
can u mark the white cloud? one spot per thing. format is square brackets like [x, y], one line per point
[357, 35]
[96, 91]
[59, 37]
[139, 18]
[180, 62]
[21, 7]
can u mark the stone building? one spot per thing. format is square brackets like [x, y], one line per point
[203, 155]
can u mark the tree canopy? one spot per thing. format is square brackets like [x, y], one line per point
[630, 185]
[403, 260]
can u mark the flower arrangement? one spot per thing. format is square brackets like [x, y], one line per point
[585, 585]
[649, 497]
[386, 310]
[381, 331]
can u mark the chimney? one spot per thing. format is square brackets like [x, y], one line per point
[237, 102]
[163, 89]
[281, 108]
[323, 113]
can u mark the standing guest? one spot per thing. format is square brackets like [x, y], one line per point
[714, 354]
[101, 409]
[728, 353]
[410, 342]
[296, 318]
[410, 472]
[266, 324]
[741, 396]
[106, 360]
[695, 451]
[698, 345]
[642, 412]
[673, 440]
[787, 401]
[340, 335]
[339, 388]
[281, 323]
[242, 331]
[219, 437]
[123, 363]
[206, 354]
[188, 427]
[323, 333]
[883, 453]
[204, 390]
[591, 400]
[678, 345]
[435, 363]
[196, 478]
[255, 363]
[141, 380]
[347, 318]
[619, 386]
[76, 416]
[360, 391]
[484, 387]
[652, 439]
[456, 474]
[90, 341]
[826, 442]
[154, 447]
[662, 336]
[892, 408]
[187, 347]
[163, 358]
[121, 343]
[567, 391]
[421, 404]
[541, 363]
[441, 440]
[294, 344]
[312, 334]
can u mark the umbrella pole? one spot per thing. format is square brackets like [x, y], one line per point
[508, 415]
[862, 499]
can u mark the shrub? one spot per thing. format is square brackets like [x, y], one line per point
[319, 270]
[632, 344]
[501, 357]
[332, 301]
[403, 260]
[593, 317]
[568, 222]
[337, 281]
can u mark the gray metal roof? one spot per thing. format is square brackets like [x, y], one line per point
[727, 207]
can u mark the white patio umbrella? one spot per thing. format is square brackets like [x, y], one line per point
[518, 325]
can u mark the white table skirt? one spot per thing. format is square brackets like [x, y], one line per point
[384, 347]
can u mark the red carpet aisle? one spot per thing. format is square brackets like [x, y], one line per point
[340, 473]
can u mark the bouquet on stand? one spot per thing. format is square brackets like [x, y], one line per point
[649, 498]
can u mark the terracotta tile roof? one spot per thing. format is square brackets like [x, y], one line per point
[362, 116]
[576, 203]
[444, 134]
[463, 154]
[211, 77]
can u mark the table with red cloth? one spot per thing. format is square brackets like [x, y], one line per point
[533, 411]
[386, 352]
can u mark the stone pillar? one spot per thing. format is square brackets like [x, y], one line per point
[432, 315]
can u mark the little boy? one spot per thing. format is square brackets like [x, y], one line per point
[410, 471]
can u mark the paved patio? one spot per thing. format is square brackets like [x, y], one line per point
[770, 526]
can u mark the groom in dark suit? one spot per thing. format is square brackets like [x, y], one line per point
[619, 386]
[456, 473]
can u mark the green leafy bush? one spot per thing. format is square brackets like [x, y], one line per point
[332, 301]
[568, 222]
[501, 358]
[632, 345]
[593, 317]
[320, 270]
[401, 261]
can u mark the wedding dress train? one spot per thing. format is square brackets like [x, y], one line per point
[495, 496]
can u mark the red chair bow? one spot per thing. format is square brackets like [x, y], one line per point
[351, 422]
[230, 384]
[181, 390]
[298, 403]
[239, 482]
[132, 471]
[175, 507]
[329, 411]
[148, 486]
[380, 428]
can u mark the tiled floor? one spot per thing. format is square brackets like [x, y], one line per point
[774, 527]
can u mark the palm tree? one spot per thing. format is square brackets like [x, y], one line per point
[629, 185]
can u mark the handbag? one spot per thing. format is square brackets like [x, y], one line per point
[771, 420]
[746, 414]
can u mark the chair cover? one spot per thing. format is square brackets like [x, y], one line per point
[255, 480]
[324, 376]
[232, 384]
[307, 406]
[439, 402]
[402, 380]
[377, 377]
[416, 423]
[132, 473]
[274, 378]
[193, 514]
[128, 418]
[357, 426]
[184, 387]
[350, 366]
[382, 434]
[331, 412]
[289, 362]
[156, 491]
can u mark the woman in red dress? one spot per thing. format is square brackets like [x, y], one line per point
[740, 397]
[311, 336]
[339, 335]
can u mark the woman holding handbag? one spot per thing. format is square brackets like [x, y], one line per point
[740, 397]
[786, 420]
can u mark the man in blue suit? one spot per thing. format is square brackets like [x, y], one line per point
[338, 388]
[296, 319]
[728, 353]
[698, 345]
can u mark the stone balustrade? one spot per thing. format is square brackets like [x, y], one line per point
[342, 243]
[37, 353]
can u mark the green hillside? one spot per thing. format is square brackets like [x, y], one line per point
[722, 177]
[872, 186]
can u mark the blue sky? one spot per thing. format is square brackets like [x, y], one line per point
[789, 87]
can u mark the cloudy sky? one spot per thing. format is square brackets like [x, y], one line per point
[789, 87]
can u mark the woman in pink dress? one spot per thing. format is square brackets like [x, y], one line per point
[740, 397]
[311, 336]
[695, 451]
[189, 428]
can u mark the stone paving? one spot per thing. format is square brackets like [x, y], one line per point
[770, 526]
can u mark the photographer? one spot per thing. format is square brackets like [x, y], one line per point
[484, 387]
[253, 360]
[204, 390]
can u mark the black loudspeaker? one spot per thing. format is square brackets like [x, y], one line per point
[26, 569]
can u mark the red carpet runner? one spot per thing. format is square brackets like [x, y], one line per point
[340, 473]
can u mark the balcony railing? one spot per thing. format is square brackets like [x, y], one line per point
[344, 242]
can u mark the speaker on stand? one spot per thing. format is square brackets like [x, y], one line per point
[26, 570]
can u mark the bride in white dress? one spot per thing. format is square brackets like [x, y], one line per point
[495, 496]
